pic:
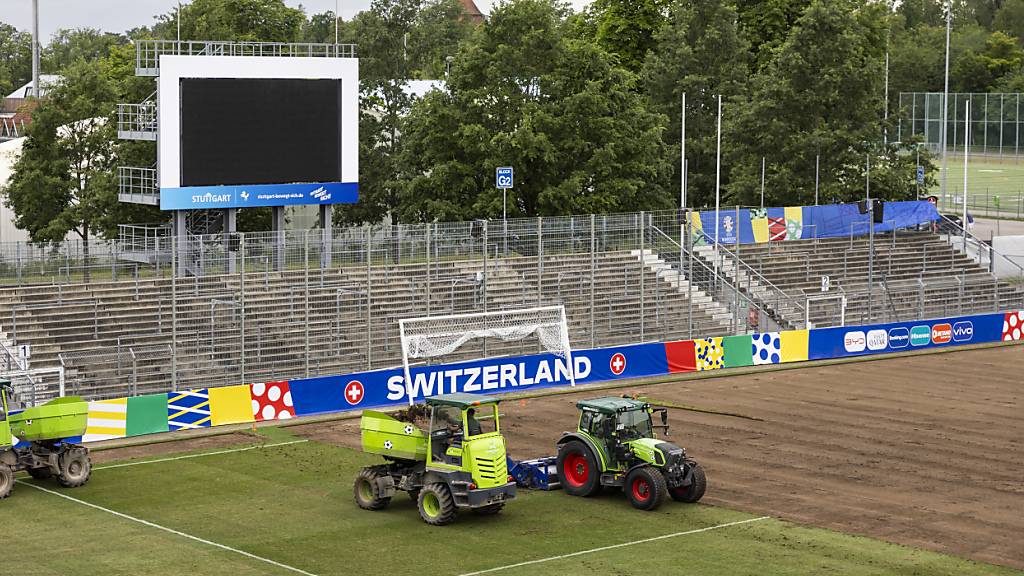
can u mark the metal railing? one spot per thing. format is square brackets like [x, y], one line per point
[137, 185]
[137, 121]
[148, 52]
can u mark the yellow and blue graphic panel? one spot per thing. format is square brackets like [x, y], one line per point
[187, 410]
[710, 353]
[766, 348]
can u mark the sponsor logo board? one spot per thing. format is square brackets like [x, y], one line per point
[899, 337]
[920, 335]
[854, 341]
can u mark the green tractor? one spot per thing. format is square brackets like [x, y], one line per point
[459, 463]
[615, 445]
[44, 428]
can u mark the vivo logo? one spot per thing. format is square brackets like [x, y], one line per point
[942, 333]
[854, 341]
[877, 339]
[963, 331]
[899, 337]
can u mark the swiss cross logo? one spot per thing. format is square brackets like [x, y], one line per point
[354, 392]
[617, 363]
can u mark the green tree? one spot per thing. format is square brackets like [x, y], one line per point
[70, 45]
[524, 93]
[241, 20]
[15, 58]
[699, 53]
[63, 181]
[436, 32]
[1010, 19]
[627, 28]
[319, 29]
[765, 24]
[821, 94]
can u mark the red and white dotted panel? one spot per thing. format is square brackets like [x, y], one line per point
[272, 401]
[1013, 326]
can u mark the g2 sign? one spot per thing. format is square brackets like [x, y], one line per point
[503, 177]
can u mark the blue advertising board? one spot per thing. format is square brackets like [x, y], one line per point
[491, 376]
[503, 177]
[902, 336]
[257, 195]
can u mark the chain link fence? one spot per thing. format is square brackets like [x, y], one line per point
[270, 306]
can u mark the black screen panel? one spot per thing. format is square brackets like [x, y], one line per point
[260, 131]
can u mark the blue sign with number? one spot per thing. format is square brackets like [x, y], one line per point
[503, 177]
[920, 174]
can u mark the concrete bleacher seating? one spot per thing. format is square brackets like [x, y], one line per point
[115, 338]
[916, 275]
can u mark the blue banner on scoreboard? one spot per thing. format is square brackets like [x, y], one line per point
[257, 195]
[492, 376]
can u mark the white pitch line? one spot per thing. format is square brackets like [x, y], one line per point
[613, 546]
[186, 457]
[170, 530]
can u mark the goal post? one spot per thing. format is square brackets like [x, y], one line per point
[433, 336]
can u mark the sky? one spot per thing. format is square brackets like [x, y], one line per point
[121, 15]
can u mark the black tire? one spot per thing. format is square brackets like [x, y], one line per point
[646, 488]
[366, 490]
[695, 491]
[436, 505]
[41, 473]
[578, 471]
[489, 510]
[75, 467]
[6, 481]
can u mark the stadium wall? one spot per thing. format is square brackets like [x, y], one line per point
[208, 407]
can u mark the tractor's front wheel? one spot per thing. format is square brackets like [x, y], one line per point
[367, 491]
[578, 472]
[75, 467]
[646, 488]
[693, 492]
[437, 507]
[6, 481]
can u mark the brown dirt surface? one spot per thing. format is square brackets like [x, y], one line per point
[173, 447]
[924, 450]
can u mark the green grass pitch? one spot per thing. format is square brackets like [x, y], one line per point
[293, 505]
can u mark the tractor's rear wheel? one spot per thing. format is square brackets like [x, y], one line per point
[75, 467]
[578, 472]
[693, 492]
[437, 507]
[6, 481]
[646, 488]
[41, 473]
[367, 491]
[489, 510]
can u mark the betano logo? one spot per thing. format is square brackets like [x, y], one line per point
[854, 341]
[942, 333]
[963, 331]
[920, 335]
[899, 337]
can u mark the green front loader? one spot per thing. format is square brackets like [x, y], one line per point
[459, 462]
[45, 428]
[615, 445]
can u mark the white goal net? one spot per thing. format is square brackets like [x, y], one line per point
[433, 336]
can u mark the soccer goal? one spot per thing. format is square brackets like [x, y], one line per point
[433, 336]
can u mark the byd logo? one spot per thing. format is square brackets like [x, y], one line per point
[963, 331]
[942, 333]
[854, 341]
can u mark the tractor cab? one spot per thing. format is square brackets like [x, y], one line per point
[615, 445]
[465, 434]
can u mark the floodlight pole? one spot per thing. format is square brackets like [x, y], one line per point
[817, 166]
[718, 178]
[945, 99]
[967, 141]
[762, 181]
[682, 159]
[35, 48]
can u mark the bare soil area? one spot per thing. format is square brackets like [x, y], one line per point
[173, 447]
[924, 451]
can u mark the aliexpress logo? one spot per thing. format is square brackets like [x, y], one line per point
[942, 333]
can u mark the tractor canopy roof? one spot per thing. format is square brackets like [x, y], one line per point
[461, 400]
[611, 404]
